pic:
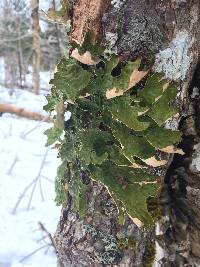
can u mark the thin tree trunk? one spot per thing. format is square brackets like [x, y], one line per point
[57, 31]
[36, 45]
[166, 35]
[19, 55]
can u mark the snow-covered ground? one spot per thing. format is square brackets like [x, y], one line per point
[27, 170]
[45, 77]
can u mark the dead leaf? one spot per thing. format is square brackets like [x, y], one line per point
[143, 112]
[137, 166]
[147, 182]
[86, 58]
[84, 96]
[70, 101]
[172, 149]
[135, 78]
[165, 86]
[157, 98]
[154, 162]
[137, 222]
[113, 93]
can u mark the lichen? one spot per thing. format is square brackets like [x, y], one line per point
[180, 1]
[111, 39]
[159, 251]
[117, 3]
[108, 253]
[142, 33]
[194, 195]
[196, 157]
[175, 60]
[126, 242]
[149, 254]
[154, 207]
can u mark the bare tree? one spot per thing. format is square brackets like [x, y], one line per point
[36, 45]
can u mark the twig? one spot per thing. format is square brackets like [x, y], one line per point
[42, 238]
[32, 183]
[12, 165]
[43, 228]
[41, 190]
[32, 193]
[32, 253]
[21, 112]
[46, 251]
[37, 178]
[24, 134]
[46, 178]
[22, 196]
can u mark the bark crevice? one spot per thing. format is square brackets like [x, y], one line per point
[181, 188]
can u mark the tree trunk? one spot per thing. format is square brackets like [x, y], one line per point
[19, 54]
[36, 45]
[166, 35]
[57, 32]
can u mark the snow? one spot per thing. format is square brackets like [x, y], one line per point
[2, 69]
[45, 77]
[28, 169]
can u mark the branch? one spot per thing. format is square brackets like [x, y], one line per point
[7, 108]
[32, 253]
[52, 242]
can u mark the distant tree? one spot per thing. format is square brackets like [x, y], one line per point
[36, 45]
[53, 42]
[24, 46]
[15, 40]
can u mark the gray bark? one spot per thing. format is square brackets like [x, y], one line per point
[166, 35]
[99, 240]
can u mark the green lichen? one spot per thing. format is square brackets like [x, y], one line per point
[154, 207]
[149, 254]
[107, 137]
[125, 243]
[88, 45]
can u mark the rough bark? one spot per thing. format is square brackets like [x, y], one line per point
[180, 191]
[166, 35]
[36, 45]
[87, 15]
[99, 240]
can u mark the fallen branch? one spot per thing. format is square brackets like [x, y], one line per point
[33, 184]
[8, 108]
[52, 242]
[32, 253]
